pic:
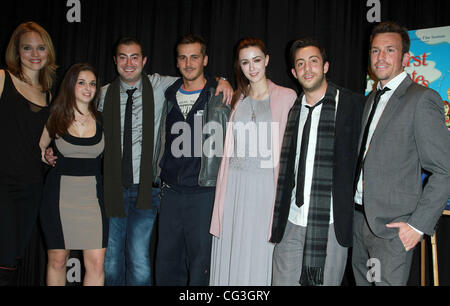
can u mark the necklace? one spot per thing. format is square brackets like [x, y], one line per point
[257, 98]
[82, 119]
[253, 109]
[80, 122]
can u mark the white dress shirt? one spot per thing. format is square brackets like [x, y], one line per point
[299, 215]
[392, 85]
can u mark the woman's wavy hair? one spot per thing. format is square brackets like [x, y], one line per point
[48, 72]
[62, 109]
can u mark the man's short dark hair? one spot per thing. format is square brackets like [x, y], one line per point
[127, 41]
[306, 42]
[392, 27]
[192, 39]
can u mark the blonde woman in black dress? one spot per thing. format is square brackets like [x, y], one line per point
[24, 99]
[72, 214]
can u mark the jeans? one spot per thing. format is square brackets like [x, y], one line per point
[127, 260]
[183, 254]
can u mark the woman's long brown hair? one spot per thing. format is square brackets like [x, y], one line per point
[62, 108]
[241, 80]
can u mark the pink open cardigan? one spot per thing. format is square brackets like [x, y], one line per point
[281, 101]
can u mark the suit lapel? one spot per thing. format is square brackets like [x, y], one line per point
[392, 105]
[342, 113]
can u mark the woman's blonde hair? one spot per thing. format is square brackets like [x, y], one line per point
[47, 73]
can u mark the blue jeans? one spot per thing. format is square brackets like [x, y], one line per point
[127, 260]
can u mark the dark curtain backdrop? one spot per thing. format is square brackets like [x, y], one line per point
[340, 25]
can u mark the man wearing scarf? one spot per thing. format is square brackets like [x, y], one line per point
[132, 108]
[313, 214]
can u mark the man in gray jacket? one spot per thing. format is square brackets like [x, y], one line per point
[403, 133]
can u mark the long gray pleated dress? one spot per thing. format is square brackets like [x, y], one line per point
[242, 256]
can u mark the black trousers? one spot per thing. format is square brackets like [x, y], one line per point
[183, 251]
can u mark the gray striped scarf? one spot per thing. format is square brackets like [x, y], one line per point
[315, 248]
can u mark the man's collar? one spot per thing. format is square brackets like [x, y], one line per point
[395, 82]
[306, 104]
[124, 86]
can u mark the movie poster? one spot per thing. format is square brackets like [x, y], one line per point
[429, 65]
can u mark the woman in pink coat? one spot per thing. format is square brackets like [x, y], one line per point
[246, 184]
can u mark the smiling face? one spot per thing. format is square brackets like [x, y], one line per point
[309, 68]
[253, 63]
[386, 57]
[85, 87]
[32, 51]
[129, 62]
[191, 61]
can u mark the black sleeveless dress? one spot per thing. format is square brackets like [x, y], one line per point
[21, 170]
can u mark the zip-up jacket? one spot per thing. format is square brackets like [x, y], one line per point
[200, 167]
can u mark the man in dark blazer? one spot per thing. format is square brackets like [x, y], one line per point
[313, 213]
[404, 133]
